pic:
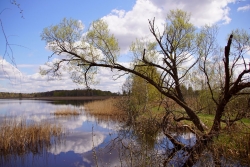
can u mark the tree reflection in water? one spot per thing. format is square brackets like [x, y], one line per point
[143, 146]
[140, 145]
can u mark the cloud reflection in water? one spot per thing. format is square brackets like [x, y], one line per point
[79, 143]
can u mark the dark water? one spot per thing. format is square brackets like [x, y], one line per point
[90, 141]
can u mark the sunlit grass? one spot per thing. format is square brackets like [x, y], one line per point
[66, 112]
[207, 119]
[103, 107]
[18, 137]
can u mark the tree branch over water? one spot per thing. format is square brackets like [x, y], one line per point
[175, 54]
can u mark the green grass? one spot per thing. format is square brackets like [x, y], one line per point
[207, 119]
[154, 112]
[246, 121]
[158, 110]
[233, 144]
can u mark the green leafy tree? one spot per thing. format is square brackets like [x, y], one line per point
[141, 90]
[180, 49]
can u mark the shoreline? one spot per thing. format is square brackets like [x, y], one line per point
[64, 98]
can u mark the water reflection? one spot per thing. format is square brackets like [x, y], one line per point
[84, 132]
[94, 141]
[78, 143]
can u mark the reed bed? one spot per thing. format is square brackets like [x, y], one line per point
[66, 112]
[106, 107]
[18, 137]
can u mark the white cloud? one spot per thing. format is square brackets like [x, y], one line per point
[80, 25]
[35, 82]
[27, 66]
[202, 12]
[240, 68]
[248, 53]
[9, 71]
[244, 8]
[129, 25]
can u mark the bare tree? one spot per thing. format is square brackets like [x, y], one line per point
[8, 50]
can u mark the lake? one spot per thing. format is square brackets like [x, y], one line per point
[89, 141]
[83, 133]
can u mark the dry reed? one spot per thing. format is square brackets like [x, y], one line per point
[106, 107]
[66, 112]
[19, 137]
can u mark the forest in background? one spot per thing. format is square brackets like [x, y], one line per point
[59, 93]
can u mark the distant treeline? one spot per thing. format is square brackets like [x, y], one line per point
[59, 93]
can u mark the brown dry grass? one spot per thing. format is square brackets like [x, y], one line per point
[66, 112]
[18, 137]
[106, 107]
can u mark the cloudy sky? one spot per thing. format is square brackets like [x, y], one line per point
[127, 19]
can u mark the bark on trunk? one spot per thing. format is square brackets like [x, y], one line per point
[196, 151]
[195, 119]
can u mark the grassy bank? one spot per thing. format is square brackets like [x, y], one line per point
[18, 137]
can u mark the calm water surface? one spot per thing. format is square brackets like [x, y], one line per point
[90, 141]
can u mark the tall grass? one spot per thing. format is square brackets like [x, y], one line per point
[233, 144]
[66, 112]
[106, 107]
[18, 137]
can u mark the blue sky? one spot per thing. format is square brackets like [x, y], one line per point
[127, 20]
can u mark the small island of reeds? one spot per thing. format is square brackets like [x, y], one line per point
[66, 112]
